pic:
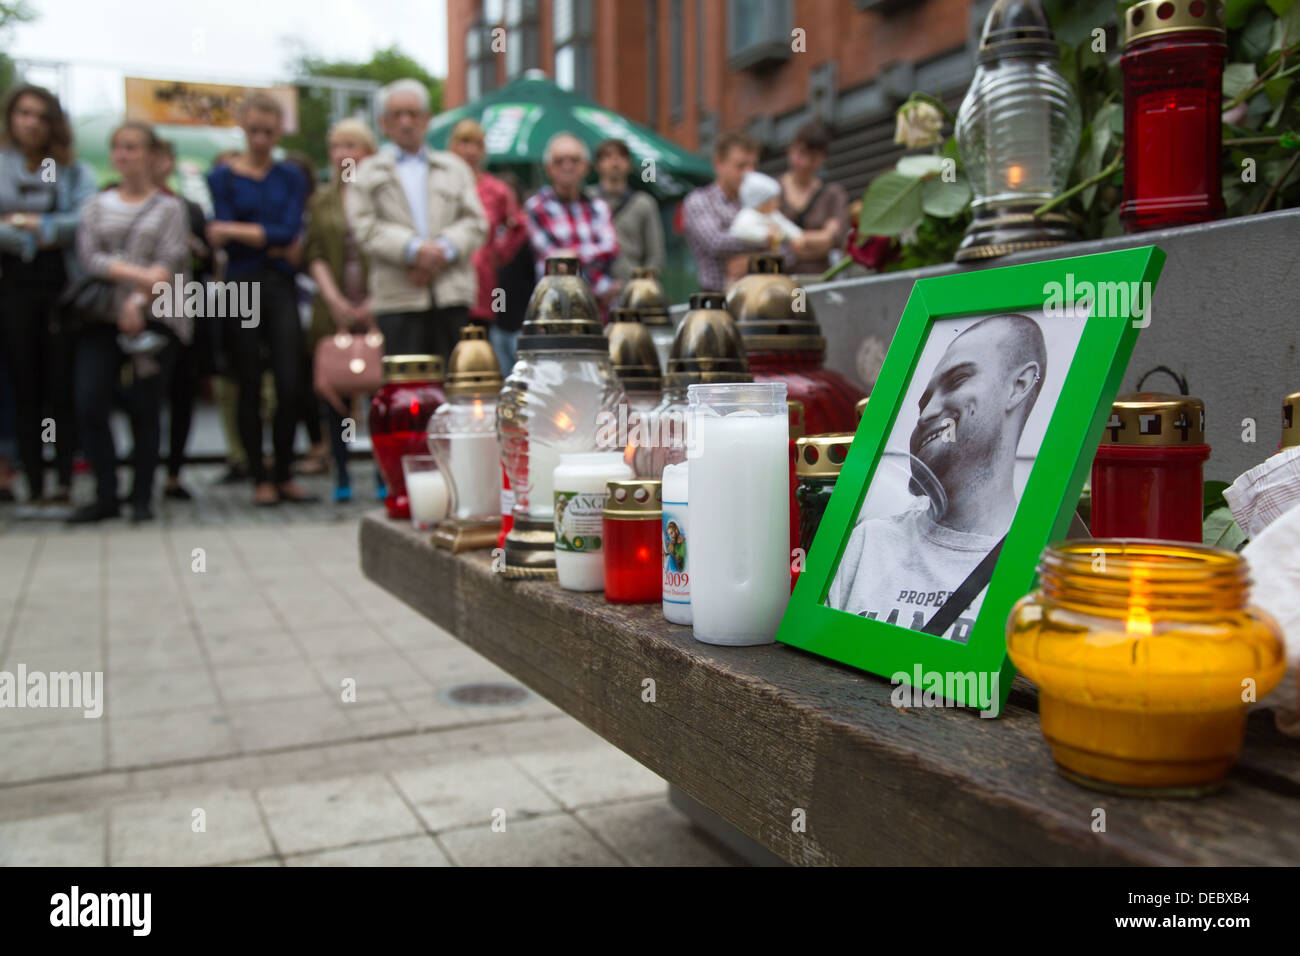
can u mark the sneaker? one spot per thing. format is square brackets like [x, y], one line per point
[343, 494]
[92, 513]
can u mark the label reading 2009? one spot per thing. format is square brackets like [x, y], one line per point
[577, 520]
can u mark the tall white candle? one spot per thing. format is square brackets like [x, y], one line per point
[427, 491]
[739, 492]
[580, 491]
[679, 552]
[475, 465]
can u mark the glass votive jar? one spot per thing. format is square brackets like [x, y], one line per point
[580, 483]
[1146, 656]
[426, 489]
[633, 509]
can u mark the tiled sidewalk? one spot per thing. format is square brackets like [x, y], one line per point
[226, 647]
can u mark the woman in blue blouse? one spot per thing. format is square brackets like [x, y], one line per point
[257, 213]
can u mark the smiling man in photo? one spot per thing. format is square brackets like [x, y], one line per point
[929, 567]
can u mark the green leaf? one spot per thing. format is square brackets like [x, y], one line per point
[1237, 12]
[921, 164]
[1236, 78]
[1221, 531]
[1253, 41]
[1280, 7]
[1289, 25]
[1074, 20]
[1212, 497]
[891, 204]
[944, 199]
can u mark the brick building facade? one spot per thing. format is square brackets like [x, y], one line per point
[693, 69]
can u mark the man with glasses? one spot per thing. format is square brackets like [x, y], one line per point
[562, 220]
[416, 214]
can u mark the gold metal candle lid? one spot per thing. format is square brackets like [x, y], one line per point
[798, 428]
[473, 368]
[632, 352]
[562, 314]
[772, 311]
[707, 348]
[861, 407]
[1154, 418]
[1290, 421]
[634, 498]
[644, 292]
[413, 368]
[822, 456]
[1152, 17]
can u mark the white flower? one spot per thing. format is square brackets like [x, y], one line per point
[918, 124]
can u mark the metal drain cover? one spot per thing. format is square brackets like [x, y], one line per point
[487, 695]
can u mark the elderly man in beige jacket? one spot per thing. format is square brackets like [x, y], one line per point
[415, 212]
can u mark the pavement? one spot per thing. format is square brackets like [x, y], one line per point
[265, 705]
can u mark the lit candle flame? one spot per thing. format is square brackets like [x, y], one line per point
[1015, 176]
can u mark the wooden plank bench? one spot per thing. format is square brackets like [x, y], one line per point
[759, 734]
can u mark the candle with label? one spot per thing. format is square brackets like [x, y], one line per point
[677, 577]
[738, 487]
[580, 485]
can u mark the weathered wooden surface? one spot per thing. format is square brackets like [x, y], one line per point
[757, 734]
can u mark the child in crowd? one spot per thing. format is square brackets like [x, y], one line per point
[760, 222]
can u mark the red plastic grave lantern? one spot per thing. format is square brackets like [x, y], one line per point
[784, 343]
[1173, 80]
[399, 417]
[1146, 477]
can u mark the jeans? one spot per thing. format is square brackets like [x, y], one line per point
[180, 395]
[503, 343]
[431, 332]
[337, 445]
[39, 358]
[276, 341]
[99, 364]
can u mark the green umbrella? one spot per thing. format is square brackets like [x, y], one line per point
[196, 148]
[519, 118]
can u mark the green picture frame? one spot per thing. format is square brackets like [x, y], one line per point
[1050, 493]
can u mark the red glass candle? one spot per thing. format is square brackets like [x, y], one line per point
[633, 556]
[1173, 80]
[399, 418]
[1147, 475]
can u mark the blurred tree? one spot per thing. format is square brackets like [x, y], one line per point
[11, 13]
[314, 103]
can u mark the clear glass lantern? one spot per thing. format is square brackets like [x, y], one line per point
[559, 393]
[1018, 131]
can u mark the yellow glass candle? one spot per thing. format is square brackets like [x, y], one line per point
[1147, 658]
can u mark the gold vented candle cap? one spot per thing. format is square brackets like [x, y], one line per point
[1290, 420]
[645, 292]
[473, 368]
[707, 348]
[772, 311]
[822, 456]
[413, 368]
[634, 498]
[1152, 17]
[798, 427]
[632, 352]
[1155, 419]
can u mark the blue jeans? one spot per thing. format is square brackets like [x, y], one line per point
[503, 343]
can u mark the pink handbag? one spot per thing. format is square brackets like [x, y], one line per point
[347, 365]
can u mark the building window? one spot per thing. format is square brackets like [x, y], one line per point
[758, 33]
[522, 43]
[571, 31]
[676, 63]
[480, 61]
[652, 62]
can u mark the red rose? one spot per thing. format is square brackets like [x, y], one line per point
[875, 253]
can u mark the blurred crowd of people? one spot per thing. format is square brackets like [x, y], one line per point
[407, 241]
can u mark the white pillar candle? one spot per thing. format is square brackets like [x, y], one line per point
[427, 491]
[475, 465]
[676, 539]
[542, 462]
[579, 484]
[738, 487]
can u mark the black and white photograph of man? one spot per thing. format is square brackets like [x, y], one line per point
[963, 444]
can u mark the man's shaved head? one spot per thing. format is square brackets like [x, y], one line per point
[1020, 341]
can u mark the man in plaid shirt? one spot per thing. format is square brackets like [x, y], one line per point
[562, 220]
[707, 212]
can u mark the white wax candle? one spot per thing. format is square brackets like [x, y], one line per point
[580, 483]
[427, 491]
[475, 465]
[738, 487]
[542, 461]
[677, 544]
